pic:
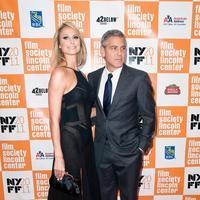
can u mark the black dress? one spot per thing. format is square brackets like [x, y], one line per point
[76, 141]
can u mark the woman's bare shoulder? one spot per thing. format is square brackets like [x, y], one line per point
[61, 71]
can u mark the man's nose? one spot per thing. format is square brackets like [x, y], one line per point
[119, 52]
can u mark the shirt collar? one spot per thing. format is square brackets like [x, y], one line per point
[114, 73]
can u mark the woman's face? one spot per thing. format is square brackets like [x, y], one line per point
[69, 41]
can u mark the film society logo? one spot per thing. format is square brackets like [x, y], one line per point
[77, 13]
[173, 56]
[169, 182]
[140, 21]
[194, 89]
[15, 156]
[149, 159]
[9, 56]
[1, 184]
[36, 19]
[192, 197]
[41, 183]
[171, 121]
[12, 124]
[170, 20]
[12, 91]
[7, 22]
[39, 123]
[97, 60]
[196, 20]
[37, 55]
[193, 152]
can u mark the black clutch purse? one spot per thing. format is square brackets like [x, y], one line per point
[67, 184]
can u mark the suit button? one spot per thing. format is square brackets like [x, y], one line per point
[106, 138]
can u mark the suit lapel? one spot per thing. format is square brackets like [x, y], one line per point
[97, 89]
[119, 88]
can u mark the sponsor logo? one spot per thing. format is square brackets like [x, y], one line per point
[140, 55]
[41, 155]
[9, 56]
[39, 91]
[16, 185]
[169, 152]
[169, 20]
[105, 20]
[195, 121]
[36, 19]
[10, 124]
[4, 55]
[172, 89]
[145, 181]
[193, 181]
[196, 56]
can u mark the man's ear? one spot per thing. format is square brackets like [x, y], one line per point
[102, 51]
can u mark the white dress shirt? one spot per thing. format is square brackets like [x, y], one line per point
[114, 80]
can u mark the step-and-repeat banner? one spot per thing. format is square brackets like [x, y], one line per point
[163, 39]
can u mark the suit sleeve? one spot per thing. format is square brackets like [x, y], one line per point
[146, 112]
[93, 119]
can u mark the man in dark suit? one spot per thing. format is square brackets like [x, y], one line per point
[125, 120]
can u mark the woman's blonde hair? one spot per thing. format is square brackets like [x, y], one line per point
[57, 54]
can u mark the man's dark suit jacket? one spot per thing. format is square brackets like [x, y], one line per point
[132, 103]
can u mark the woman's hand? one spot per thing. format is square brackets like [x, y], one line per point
[59, 167]
[93, 112]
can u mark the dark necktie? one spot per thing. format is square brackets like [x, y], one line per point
[107, 94]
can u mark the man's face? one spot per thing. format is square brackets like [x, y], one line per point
[114, 52]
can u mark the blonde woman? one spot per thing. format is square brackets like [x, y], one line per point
[70, 101]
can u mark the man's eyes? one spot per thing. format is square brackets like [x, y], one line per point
[115, 48]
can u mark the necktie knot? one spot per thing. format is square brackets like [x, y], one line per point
[110, 76]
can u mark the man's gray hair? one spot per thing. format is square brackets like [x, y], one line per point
[111, 33]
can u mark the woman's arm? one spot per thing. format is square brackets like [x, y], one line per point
[55, 92]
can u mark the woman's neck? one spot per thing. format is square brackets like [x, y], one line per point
[71, 62]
